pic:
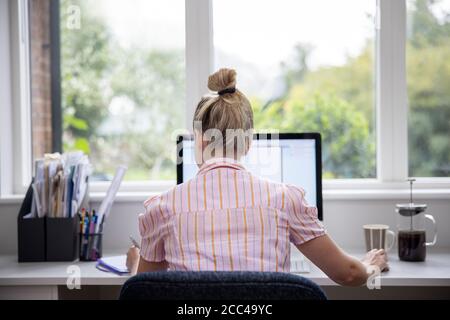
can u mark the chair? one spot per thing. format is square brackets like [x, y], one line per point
[209, 285]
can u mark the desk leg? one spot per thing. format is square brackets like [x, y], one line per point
[28, 292]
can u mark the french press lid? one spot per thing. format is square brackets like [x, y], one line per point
[410, 209]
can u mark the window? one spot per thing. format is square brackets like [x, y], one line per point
[428, 79]
[132, 73]
[307, 66]
[123, 83]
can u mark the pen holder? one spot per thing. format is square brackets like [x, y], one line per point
[90, 246]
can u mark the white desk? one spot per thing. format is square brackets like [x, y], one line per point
[41, 280]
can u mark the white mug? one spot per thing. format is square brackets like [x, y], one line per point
[376, 235]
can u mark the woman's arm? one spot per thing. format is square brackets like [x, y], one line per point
[147, 266]
[340, 267]
[137, 264]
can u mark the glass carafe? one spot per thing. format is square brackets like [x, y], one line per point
[411, 224]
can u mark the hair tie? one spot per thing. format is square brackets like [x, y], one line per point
[227, 90]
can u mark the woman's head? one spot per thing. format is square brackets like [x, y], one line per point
[223, 121]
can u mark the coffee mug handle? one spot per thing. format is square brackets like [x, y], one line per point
[430, 217]
[392, 234]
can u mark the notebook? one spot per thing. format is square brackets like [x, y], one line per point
[114, 264]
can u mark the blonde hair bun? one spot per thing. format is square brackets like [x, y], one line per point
[230, 109]
[222, 79]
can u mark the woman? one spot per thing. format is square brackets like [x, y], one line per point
[225, 218]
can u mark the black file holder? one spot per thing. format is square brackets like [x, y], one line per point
[62, 238]
[47, 239]
[31, 233]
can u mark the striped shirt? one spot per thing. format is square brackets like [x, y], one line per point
[226, 219]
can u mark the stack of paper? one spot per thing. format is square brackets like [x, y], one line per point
[60, 185]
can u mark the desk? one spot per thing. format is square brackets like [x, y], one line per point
[47, 280]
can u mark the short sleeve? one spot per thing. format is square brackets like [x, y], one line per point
[152, 227]
[304, 224]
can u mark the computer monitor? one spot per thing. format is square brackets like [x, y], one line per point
[293, 158]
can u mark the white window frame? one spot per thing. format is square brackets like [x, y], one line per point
[16, 148]
[391, 107]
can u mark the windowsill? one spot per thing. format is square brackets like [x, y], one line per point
[385, 194]
[328, 194]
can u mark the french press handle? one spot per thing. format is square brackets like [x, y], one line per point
[431, 218]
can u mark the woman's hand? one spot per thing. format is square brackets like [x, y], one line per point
[339, 266]
[378, 258]
[133, 260]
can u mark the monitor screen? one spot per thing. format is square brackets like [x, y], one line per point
[291, 158]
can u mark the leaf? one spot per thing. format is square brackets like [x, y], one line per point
[82, 144]
[76, 123]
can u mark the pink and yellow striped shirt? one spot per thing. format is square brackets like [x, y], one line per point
[226, 219]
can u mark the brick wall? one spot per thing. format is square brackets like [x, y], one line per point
[40, 77]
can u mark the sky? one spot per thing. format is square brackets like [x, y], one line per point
[261, 31]
[265, 31]
[147, 23]
[254, 36]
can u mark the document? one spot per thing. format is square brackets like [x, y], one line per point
[60, 184]
[106, 204]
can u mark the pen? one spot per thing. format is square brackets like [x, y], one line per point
[92, 224]
[82, 220]
[86, 236]
[134, 242]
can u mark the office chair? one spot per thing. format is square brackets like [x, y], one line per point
[209, 285]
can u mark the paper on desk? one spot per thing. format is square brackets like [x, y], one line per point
[52, 165]
[39, 170]
[71, 159]
[37, 199]
[107, 202]
[60, 184]
[38, 192]
[115, 264]
[80, 182]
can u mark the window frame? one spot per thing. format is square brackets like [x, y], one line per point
[390, 92]
[16, 147]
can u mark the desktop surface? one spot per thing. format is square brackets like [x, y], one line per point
[435, 271]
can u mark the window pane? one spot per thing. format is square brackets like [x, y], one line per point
[306, 66]
[123, 80]
[428, 78]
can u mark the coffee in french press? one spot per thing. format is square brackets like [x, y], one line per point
[411, 230]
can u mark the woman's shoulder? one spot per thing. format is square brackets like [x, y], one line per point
[279, 186]
[297, 190]
[167, 201]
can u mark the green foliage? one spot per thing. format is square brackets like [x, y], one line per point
[343, 102]
[96, 70]
[345, 132]
[75, 143]
[72, 122]
[337, 101]
[85, 55]
[82, 144]
[428, 67]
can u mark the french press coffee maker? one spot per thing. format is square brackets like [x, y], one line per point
[411, 221]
